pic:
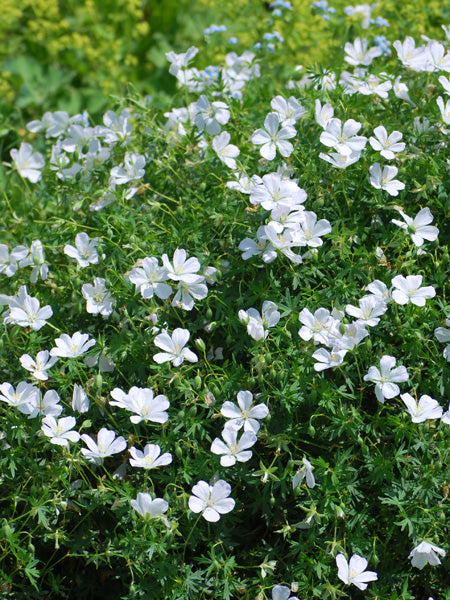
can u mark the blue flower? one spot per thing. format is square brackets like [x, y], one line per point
[232, 40]
[258, 45]
[277, 12]
[271, 47]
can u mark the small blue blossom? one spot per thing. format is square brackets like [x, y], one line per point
[383, 44]
[325, 17]
[321, 4]
[267, 36]
[382, 22]
[277, 12]
[271, 47]
[281, 4]
[232, 40]
[258, 45]
[278, 36]
[214, 29]
[85, 118]
[331, 9]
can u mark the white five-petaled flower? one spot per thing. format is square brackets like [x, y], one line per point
[305, 471]
[225, 151]
[358, 54]
[272, 139]
[150, 458]
[245, 415]
[342, 137]
[84, 251]
[71, 347]
[282, 592]
[387, 145]
[180, 61]
[315, 325]
[407, 289]
[310, 231]
[150, 508]
[353, 571]
[210, 116]
[419, 228]
[259, 324]
[384, 180]
[132, 169]
[99, 299]
[27, 162]
[423, 409]
[386, 378]
[149, 279]
[28, 313]
[39, 365]
[59, 431]
[211, 500]
[106, 445]
[289, 110]
[143, 404]
[181, 269]
[425, 553]
[369, 310]
[174, 347]
[328, 360]
[231, 448]
[24, 397]
[9, 261]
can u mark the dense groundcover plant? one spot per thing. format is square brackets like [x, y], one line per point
[224, 370]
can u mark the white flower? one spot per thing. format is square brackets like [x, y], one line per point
[141, 402]
[106, 445]
[27, 162]
[273, 191]
[149, 279]
[446, 416]
[361, 9]
[173, 347]
[181, 269]
[225, 151]
[272, 140]
[305, 471]
[38, 366]
[387, 145]
[423, 409]
[289, 110]
[245, 415]
[99, 299]
[150, 458]
[30, 314]
[354, 571]
[233, 450]
[71, 347]
[323, 114]
[445, 110]
[54, 124]
[419, 228]
[36, 260]
[132, 169]
[258, 325]
[80, 400]
[310, 230]
[342, 137]
[377, 288]
[84, 251]
[357, 53]
[386, 378]
[23, 398]
[9, 260]
[407, 289]
[211, 500]
[327, 360]
[282, 592]
[47, 405]
[180, 61]
[370, 308]
[59, 431]
[210, 116]
[188, 291]
[315, 325]
[384, 180]
[341, 161]
[425, 553]
[150, 508]
[443, 335]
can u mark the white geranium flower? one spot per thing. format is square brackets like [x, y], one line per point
[384, 180]
[39, 365]
[72, 347]
[210, 116]
[310, 231]
[141, 402]
[84, 251]
[273, 190]
[341, 161]
[323, 114]
[423, 409]
[150, 508]
[258, 325]
[99, 299]
[328, 360]
[59, 431]
[106, 445]
[305, 471]
[386, 378]
[358, 54]
[174, 347]
[315, 325]
[245, 415]
[387, 145]
[150, 458]
[407, 289]
[36, 260]
[419, 228]
[272, 139]
[27, 162]
[9, 261]
[231, 448]
[29, 313]
[148, 278]
[187, 292]
[225, 151]
[131, 170]
[23, 397]
[80, 400]
[353, 571]
[369, 311]
[282, 592]
[47, 405]
[342, 137]
[425, 553]
[289, 110]
[180, 61]
[181, 269]
[211, 500]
